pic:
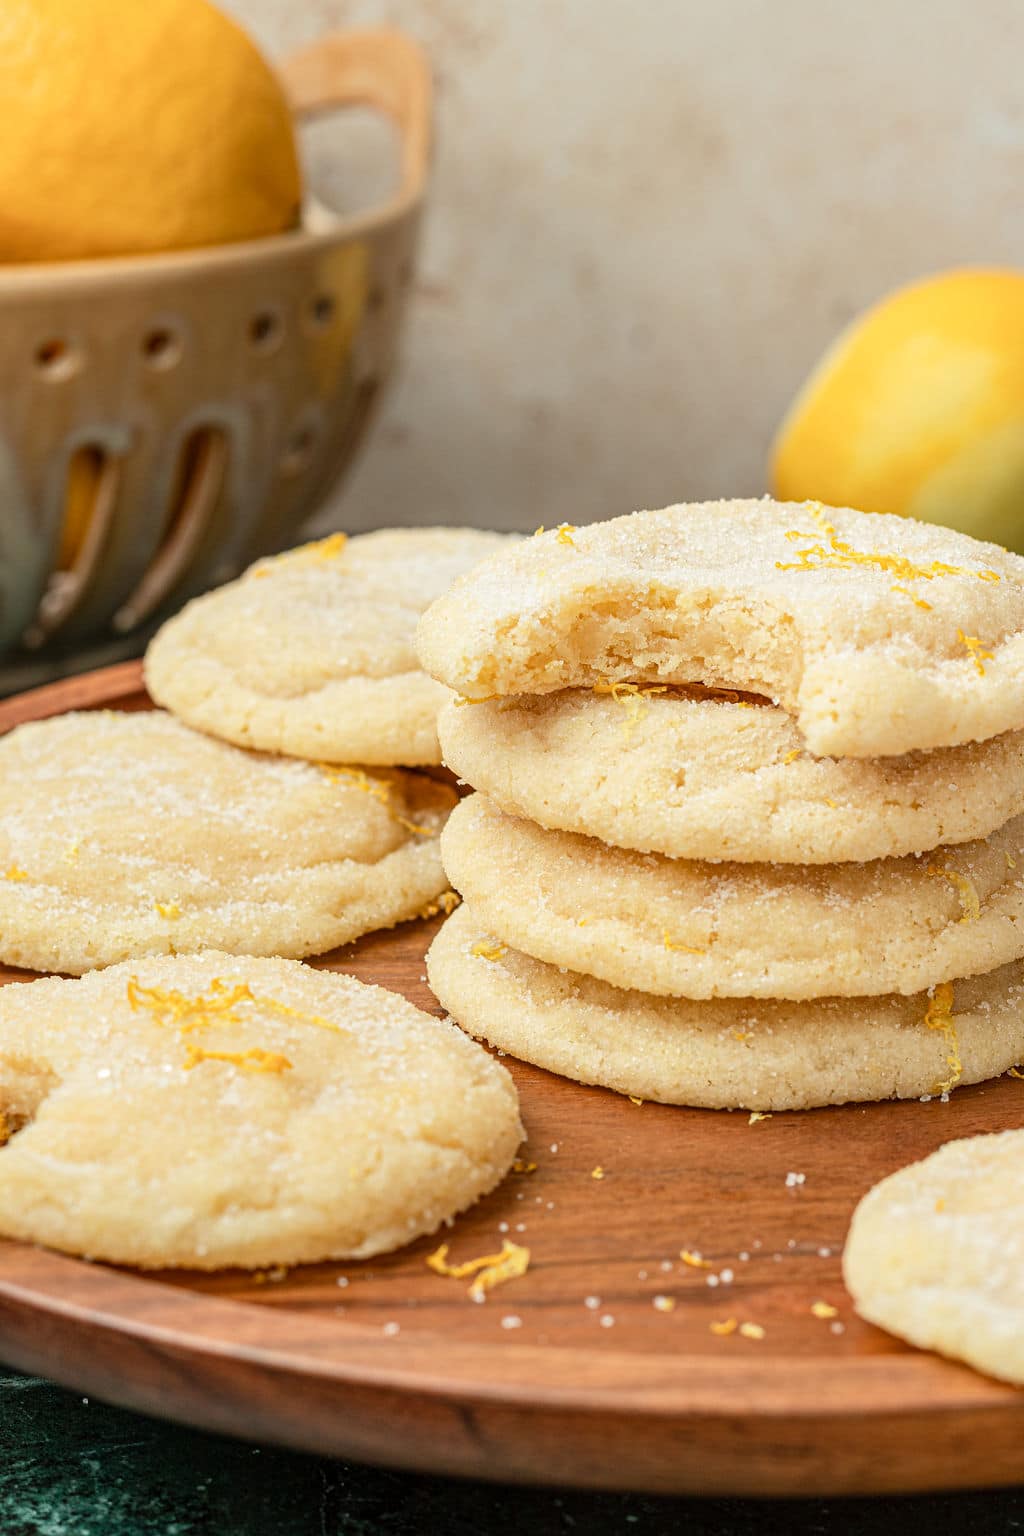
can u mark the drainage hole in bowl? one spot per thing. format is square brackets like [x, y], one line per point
[161, 347]
[265, 330]
[298, 451]
[321, 311]
[57, 358]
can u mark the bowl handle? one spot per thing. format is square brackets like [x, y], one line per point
[383, 69]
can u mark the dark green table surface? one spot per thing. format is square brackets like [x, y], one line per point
[71, 1466]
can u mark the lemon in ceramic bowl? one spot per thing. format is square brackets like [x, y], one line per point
[138, 125]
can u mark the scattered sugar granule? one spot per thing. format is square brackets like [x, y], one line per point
[390, 1329]
[837, 1327]
[824, 1309]
[511, 1321]
[664, 1303]
[726, 1276]
[606, 1320]
[793, 1179]
[592, 1302]
[712, 1280]
[743, 1257]
[554, 1146]
[342, 1280]
[597, 1173]
[751, 1331]
[824, 1253]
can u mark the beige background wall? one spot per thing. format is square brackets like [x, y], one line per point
[649, 218]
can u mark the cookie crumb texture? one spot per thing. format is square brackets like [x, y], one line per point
[678, 927]
[935, 1253]
[694, 775]
[727, 1053]
[130, 834]
[803, 605]
[208, 1111]
[311, 653]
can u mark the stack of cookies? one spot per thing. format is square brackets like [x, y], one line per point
[749, 821]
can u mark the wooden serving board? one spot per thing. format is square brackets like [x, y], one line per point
[387, 1361]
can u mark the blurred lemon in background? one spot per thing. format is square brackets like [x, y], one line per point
[918, 408]
[132, 126]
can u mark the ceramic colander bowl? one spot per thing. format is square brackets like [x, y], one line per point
[166, 419]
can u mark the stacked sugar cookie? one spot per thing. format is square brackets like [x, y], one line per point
[749, 821]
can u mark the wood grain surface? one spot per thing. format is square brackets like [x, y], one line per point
[574, 1373]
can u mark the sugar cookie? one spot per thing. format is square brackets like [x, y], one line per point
[677, 927]
[880, 634]
[212, 1110]
[129, 834]
[310, 653]
[935, 1253]
[729, 1053]
[700, 777]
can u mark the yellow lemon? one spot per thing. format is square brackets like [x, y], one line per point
[132, 126]
[918, 408]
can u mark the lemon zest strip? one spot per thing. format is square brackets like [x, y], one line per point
[490, 1269]
[683, 949]
[976, 650]
[254, 1060]
[842, 556]
[446, 903]
[918, 602]
[970, 906]
[939, 1016]
[486, 951]
[631, 696]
